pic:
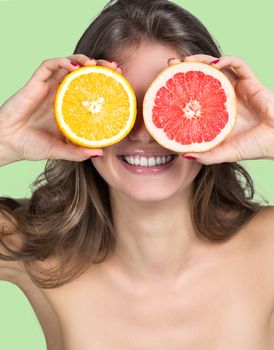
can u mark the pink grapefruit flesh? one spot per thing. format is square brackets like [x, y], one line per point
[190, 107]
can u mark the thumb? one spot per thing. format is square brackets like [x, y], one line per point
[69, 151]
[219, 154]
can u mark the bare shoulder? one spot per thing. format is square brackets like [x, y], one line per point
[15, 272]
[261, 234]
[10, 271]
[263, 226]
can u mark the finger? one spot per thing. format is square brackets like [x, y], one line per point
[82, 60]
[202, 58]
[48, 67]
[59, 75]
[218, 154]
[119, 69]
[239, 66]
[172, 61]
[110, 64]
[208, 59]
[237, 147]
[68, 151]
[233, 64]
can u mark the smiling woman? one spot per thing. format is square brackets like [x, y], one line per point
[142, 46]
[125, 237]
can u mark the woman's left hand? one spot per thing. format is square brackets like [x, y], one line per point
[253, 134]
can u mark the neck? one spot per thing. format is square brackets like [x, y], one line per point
[153, 240]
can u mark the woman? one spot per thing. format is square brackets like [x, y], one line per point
[109, 259]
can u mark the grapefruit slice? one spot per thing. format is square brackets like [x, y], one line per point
[95, 106]
[190, 107]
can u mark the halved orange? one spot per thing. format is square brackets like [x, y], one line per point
[95, 106]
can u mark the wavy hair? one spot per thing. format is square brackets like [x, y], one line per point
[68, 216]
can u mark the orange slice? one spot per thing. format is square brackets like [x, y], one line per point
[95, 106]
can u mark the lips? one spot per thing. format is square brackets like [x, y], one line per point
[147, 154]
[147, 170]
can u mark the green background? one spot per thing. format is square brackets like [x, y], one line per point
[33, 31]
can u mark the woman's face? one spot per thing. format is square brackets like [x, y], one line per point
[140, 69]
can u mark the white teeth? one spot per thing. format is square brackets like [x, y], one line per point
[143, 161]
[147, 161]
[151, 161]
[158, 160]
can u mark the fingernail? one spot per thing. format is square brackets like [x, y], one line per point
[215, 62]
[97, 156]
[189, 157]
[75, 64]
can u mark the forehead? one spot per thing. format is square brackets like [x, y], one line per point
[141, 65]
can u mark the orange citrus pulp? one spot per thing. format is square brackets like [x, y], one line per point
[95, 106]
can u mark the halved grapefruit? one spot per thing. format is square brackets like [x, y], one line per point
[190, 107]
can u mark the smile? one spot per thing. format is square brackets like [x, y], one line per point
[148, 161]
[147, 165]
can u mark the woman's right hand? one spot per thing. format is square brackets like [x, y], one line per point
[28, 130]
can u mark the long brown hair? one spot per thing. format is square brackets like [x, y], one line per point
[68, 216]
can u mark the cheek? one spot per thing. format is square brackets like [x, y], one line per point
[191, 169]
[101, 166]
[186, 172]
[106, 170]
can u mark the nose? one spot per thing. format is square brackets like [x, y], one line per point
[139, 132]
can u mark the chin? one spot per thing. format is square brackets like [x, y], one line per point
[149, 194]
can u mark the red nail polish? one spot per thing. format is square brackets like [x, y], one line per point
[215, 62]
[75, 64]
[189, 157]
[96, 156]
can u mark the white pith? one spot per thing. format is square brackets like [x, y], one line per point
[95, 106]
[191, 110]
[147, 161]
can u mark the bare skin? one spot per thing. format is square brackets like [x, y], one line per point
[224, 299]
[163, 288]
